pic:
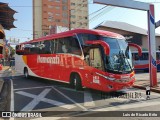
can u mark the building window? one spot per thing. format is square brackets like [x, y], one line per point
[57, 7]
[65, 22]
[73, 22]
[64, 1]
[73, 4]
[73, 16]
[50, 18]
[50, 6]
[57, 0]
[64, 7]
[50, 13]
[85, 5]
[57, 14]
[65, 15]
[57, 20]
[72, 11]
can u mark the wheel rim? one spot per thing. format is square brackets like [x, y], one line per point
[75, 82]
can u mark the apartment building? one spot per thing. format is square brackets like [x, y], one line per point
[48, 15]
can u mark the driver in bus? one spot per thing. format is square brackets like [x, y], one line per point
[64, 49]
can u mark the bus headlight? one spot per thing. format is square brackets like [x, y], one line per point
[106, 77]
[110, 78]
[123, 80]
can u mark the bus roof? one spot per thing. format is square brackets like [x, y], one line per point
[76, 31]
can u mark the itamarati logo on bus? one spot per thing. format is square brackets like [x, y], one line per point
[50, 60]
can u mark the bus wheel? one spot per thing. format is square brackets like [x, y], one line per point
[77, 82]
[26, 75]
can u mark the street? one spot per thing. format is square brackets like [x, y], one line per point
[48, 97]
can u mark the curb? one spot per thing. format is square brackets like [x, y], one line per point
[1, 85]
[143, 88]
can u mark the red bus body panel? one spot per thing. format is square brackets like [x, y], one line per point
[60, 66]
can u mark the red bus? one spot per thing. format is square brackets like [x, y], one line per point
[94, 59]
[142, 62]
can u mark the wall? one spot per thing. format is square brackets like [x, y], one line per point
[37, 19]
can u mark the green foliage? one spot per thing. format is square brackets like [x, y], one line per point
[12, 51]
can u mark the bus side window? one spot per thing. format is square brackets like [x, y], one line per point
[52, 46]
[158, 55]
[59, 45]
[146, 56]
[74, 46]
[47, 49]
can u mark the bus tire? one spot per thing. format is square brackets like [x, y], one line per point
[76, 81]
[26, 74]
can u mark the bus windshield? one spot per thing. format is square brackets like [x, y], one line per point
[119, 59]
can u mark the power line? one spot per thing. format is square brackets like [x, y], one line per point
[92, 14]
[102, 13]
[98, 10]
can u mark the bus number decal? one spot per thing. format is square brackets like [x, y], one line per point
[96, 79]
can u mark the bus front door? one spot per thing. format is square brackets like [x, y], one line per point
[96, 65]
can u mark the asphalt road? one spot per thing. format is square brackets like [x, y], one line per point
[37, 94]
[58, 100]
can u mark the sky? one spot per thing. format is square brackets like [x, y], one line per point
[24, 17]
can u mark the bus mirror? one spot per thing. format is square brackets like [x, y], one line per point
[136, 46]
[100, 42]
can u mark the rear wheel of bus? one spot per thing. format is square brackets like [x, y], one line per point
[26, 74]
[75, 81]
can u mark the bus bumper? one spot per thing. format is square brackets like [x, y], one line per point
[110, 86]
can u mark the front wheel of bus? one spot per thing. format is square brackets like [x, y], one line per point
[75, 81]
[26, 75]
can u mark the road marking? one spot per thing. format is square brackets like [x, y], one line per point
[36, 100]
[79, 105]
[88, 100]
[32, 88]
[70, 89]
[12, 99]
[41, 97]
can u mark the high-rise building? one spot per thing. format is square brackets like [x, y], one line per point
[49, 14]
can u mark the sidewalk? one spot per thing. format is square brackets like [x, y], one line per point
[142, 81]
[1, 81]
[5, 89]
